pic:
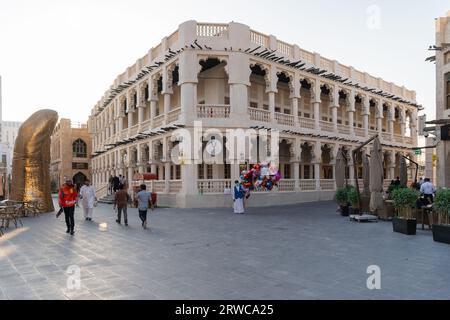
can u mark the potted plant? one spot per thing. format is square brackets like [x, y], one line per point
[441, 205]
[404, 200]
[388, 212]
[352, 197]
[342, 199]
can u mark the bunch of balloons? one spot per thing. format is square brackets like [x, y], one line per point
[261, 177]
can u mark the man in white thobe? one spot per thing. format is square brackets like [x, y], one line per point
[238, 194]
[87, 196]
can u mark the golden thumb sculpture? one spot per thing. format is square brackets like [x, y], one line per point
[31, 160]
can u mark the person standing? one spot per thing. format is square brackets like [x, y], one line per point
[121, 199]
[110, 185]
[67, 198]
[428, 190]
[238, 194]
[116, 183]
[144, 202]
[88, 198]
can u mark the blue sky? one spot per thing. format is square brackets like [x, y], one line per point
[64, 54]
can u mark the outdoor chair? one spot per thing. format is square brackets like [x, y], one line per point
[10, 213]
[30, 207]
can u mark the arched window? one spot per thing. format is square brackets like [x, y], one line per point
[79, 149]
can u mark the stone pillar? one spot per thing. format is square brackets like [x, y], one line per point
[152, 111]
[391, 121]
[317, 161]
[295, 111]
[366, 113]
[238, 69]
[334, 115]
[351, 112]
[189, 177]
[296, 165]
[167, 103]
[272, 104]
[316, 104]
[188, 71]
[414, 127]
[403, 124]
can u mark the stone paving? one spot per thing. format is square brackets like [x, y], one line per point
[304, 251]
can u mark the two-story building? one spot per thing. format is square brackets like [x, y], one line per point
[228, 76]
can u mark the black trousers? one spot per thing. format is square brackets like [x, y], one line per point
[69, 214]
[119, 213]
[428, 197]
[143, 215]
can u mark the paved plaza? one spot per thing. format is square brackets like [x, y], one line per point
[305, 251]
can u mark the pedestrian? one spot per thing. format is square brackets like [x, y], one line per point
[110, 184]
[144, 202]
[397, 181]
[421, 181]
[116, 183]
[122, 180]
[88, 199]
[428, 190]
[238, 194]
[67, 198]
[121, 199]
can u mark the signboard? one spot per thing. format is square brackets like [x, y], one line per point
[445, 132]
[80, 165]
[418, 152]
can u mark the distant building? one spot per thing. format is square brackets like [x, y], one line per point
[9, 129]
[70, 152]
[442, 158]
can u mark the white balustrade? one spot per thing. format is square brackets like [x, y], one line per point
[284, 119]
[284, 48]
[213, 186]
[326, 126]
[213, 111]
[343, 129]
[408, 140]
[386, 136]
[306, 123]
[212, 30]
[259, 39]
[259, 114]
[327, 184]
[158, 121]
[286, 185]
[175, 186]
[398, 138]
[359, 132]
[307, 184]
[173, 115]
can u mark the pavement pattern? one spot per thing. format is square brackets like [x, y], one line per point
[305, 251]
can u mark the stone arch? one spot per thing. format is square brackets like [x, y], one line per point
[285, 90]
[306, 98]
[259, 86]
[213, 72]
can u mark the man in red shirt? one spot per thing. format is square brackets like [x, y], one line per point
[67, 199]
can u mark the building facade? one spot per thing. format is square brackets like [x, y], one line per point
[443, 96]
[9, 130]
[70, 153]
[227, 76]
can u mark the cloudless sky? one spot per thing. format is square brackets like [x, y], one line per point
[63, 54]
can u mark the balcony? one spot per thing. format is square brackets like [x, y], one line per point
[343, 129]
[307, 184]
[327, 184]
[286, 185]
[306, 123]
[173, 115]
[158, 121]
[398, 138]
[408, 140]
[213, 186]
[259, 114]
[359, 132]
[386, 136]
[216, 111]
[326, 126]
[284, 119]
[134, 130]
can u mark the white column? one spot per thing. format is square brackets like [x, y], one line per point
[351, 111]
[295, 110]
[316, 104]
[167, 102]
[188, 102]
[403, 124]
[272, 104]
[334, 115]
[366, 113]
[152, 111]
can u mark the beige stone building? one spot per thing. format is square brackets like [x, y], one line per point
[70, 153]
[228, 76]
[442, 99]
